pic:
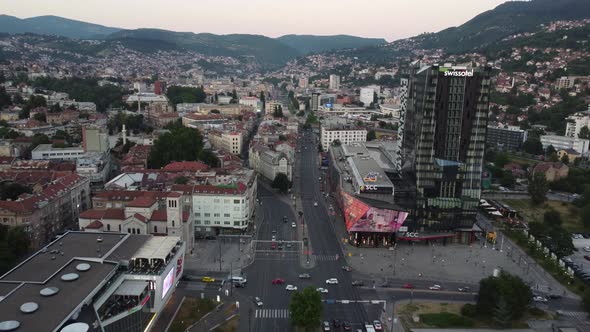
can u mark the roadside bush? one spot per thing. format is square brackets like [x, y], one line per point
[536, 312]
[469, 310]
[446, 320]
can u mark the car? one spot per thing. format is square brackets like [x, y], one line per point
[291, 288]
[332, 281]
[586, 249]
[336, 322]
[320, 178]
[273, 238]
[210, 237]
[540, 299]
[293, 224]
[386, 284]
[273, 245]
[346, 325]
[258, 301]
[377, 325]
[435, 287]
[304, 276]
[586, 257]
[278, 281]
[322, 290]
[289, 245]
[315, 203]
[358, 283]
[346, 268]
[280, 246]
[285, 219]
[555, 296]
[408, 286]
[208, 279]
[326, 326]
[464, 289]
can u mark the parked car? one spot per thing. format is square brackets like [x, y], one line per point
[540, 299]
[464, 289]
[326, 326]
[408, 286]
[346, 325]
[358, 283]
[435, 287]
[258, 301]
[586, 257]
[555, 296]
[336, 322]
[322, 290]
[346, 268]
[315, 203]
[293, 224]
[208, 279]
[304, 276]
[291, 288]
[377, 325]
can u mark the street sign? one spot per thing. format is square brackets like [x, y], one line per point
[403, 229]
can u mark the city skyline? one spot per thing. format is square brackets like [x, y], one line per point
[387, 22]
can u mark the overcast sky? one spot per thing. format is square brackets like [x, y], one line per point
[389, 19]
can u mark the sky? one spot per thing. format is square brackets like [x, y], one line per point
[389, 19]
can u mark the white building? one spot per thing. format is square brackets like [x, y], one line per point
[269, 163]
[334, 82]
[227, 141]
[575, 123]
[250, 101]
[394, 110]
[224, 100]
[366, 96]
[47, 151]
[222, 209]
[565, 142]
[346, 134]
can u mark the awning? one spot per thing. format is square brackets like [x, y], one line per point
[496, 213]
[131, 288]
[425, 237]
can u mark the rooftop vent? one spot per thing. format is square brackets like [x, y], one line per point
[9, 325]
[49, 291]
[83, 267]
[70, 277]
[76, 327]
[29, 307]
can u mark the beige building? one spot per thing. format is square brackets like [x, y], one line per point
[552, 171]
[49, 212]
[9, 115]
[269, 163]
[227, 141]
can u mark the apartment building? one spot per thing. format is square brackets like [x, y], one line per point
[270, 163]
[565, 142]
[575, 123]
[345, 134]
[230, 142]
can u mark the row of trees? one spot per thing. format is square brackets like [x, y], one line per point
[85, 89]
[182, 94]
[14, 245]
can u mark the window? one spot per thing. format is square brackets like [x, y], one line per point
[207, 222]
[236, 201]
[119, 227]
[227, 215]
[198, 214]
[236, 223]
[226, 223]
[216, 200]
[108, 227]
[155, 229]
[207, 214]
[173, 223]
[216, 215]
[128, 230]
[218, 223]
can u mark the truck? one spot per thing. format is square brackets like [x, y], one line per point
[369, 328]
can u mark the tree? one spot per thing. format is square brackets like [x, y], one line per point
[41, 117]
[179, 144]
[586, 216]
[14, 244]
[538, 188]
[181, 180]
[278, 111]
[5, 99]
[501, 159]
[565, 159]
[507, 179]
[215, 112]
[550, 150]
[371, 135]
[505, 287]
[336, 142]
[533, 146]
[281, 182]
[263, 99]
[502, 313]
[305, 309]
[282, 137]
[552, 218]
[584, 133]
[183, 94]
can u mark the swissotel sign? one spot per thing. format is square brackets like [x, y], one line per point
[456, 72]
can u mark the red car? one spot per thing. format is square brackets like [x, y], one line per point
[408, 286]
[273, 246]
[278, 281]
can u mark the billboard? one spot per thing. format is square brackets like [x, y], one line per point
[167, 283]
[361, 217]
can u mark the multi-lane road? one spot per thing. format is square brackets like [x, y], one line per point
[287, 264]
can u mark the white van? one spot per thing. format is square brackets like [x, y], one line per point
[238, 280]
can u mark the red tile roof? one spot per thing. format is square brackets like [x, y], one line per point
[180, 166]
[115, 214]
[92, 214]
[94, 225]
[140, 218]
[159, 215]
[142, 202]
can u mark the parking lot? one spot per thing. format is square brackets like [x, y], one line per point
[582, 246]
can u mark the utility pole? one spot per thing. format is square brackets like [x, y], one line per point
[219, 242]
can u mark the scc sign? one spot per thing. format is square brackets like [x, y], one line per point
[368, 187]
[411, 234]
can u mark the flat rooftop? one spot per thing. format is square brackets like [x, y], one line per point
[49, 147]
[367, 172]
[92, 257]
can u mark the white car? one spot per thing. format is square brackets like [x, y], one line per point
[322, 290]
[332, 281]
[258, 301]
[315, 203]
[291, 288]
[587, 249]
[540, 299]
[293, 224]
[435, 287]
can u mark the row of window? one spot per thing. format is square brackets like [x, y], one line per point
[226, 215]
[227, 223]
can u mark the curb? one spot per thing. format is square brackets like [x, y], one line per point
[204, 317]
[175, 313]
[225, 321]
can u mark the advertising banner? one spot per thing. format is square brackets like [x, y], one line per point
[360, 217]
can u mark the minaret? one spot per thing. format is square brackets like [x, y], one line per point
[139, 100]
[124, 132]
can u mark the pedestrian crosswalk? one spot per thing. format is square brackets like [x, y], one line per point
[325, 257]
[573, 314]
[272, 313]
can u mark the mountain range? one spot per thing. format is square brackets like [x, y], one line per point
[265, 49]
[483, 31]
